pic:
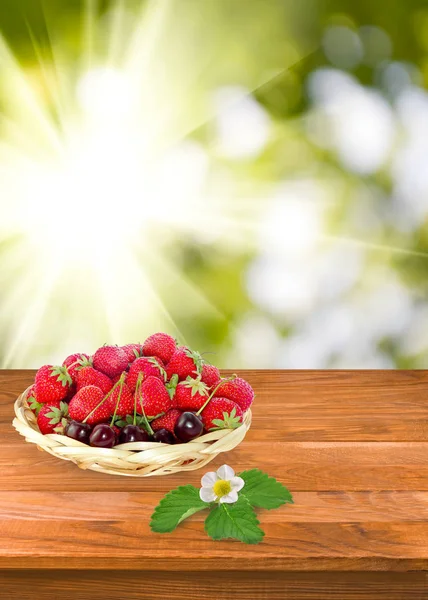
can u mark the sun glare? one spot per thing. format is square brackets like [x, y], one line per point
[101, 172]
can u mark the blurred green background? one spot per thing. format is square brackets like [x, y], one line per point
[248, 175]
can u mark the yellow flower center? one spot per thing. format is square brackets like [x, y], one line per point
[222, 488]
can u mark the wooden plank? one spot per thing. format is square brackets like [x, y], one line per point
[101, 585]
[302, 466]
[111, 541]
[308, 507]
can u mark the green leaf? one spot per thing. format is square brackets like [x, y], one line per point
[176, 506]
[237, 520]
[264, 491]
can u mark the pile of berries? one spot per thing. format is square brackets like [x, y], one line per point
[156, 391]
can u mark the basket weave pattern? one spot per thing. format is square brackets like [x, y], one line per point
[136, 459]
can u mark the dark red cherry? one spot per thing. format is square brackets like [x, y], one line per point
[133, 433]
[102, 436]
[188, 427]
[164, 436]
[78, 431]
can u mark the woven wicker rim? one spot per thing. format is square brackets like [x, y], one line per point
[136, 459]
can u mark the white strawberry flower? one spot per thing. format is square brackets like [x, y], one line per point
[221, 486]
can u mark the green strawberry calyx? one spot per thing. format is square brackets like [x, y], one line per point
[62, 375]
[154, 361]
[34, 405]
[197, 359]
[171, 386]
[140, 421]
[138, 353]
[229, 421]
[58, 416]
[196, 385]
[84, 362]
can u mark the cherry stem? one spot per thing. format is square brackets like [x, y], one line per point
[121, 381]
[223, 381]
[102, 402]
[138, 393]
[135, 399]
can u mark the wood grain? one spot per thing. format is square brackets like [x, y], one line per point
[351, 445]
[99, 585]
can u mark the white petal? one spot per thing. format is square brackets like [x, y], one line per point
[230, 497]
[209, 479]
[206, 494]
[237, 483]
[225, 472]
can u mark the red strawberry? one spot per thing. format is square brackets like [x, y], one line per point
[167, 421]
[31, 392]
[52, 417]
[221, 413]
[190, 394]
[74, 362]
[110, 360]
[149, 367]
[238, 390]
[125, 404]
[160, 345]
[52, 383]
[184, 363]
[153, 398]
[116, 379]
[89, 405]
[210, 375]
[90, 376]
[133, 351]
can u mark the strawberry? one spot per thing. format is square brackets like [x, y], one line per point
[133, 351]
[31, 400]
[89, 405]
[210, 375]
[160, 345]
[121, 400]
[90, 376]
[74, 362]
[184, 363]
[238, 390]
[116, 379]
[190, 394]
[167, 421]
[153, 398]
[149, 367]
[52, 383]
[52, 417]
[110, 360]
[221, 413]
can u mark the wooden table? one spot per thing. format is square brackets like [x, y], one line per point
[351, 446]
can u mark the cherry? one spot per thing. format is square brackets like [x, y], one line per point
[164, 436]
[133, 433]
[78, 431]
[188, 427]
[102, 436]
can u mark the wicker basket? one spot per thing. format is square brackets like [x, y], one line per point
[136, 459]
